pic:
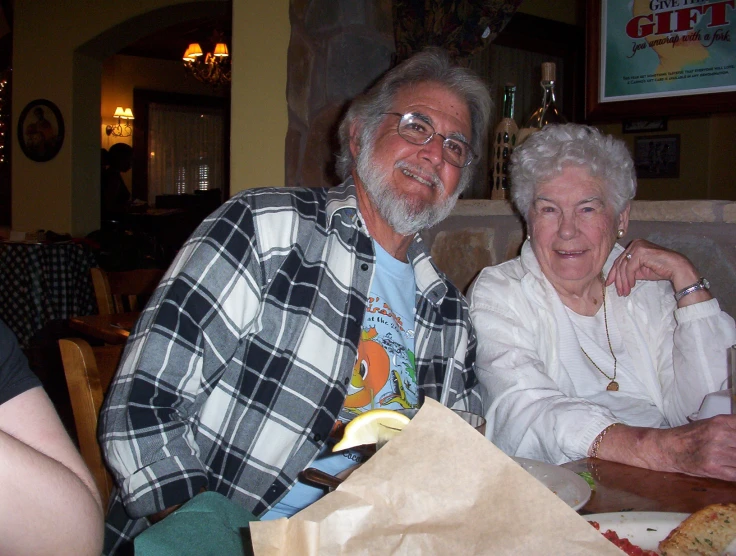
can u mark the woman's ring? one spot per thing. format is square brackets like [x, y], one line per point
[628, 256]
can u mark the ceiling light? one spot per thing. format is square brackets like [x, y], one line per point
[212, 68]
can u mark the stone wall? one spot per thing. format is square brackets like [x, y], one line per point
[480, 233]
[337, 49]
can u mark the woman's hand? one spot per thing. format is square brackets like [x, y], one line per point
[705, 448]
[643, 260]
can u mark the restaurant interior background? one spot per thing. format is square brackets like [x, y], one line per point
[78, 55]
[294, 66]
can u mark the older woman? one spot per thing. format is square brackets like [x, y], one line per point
[587, 349]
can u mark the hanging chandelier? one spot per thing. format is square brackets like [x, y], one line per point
[212, 68]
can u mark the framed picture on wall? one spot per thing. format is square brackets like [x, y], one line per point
[40, 130]
[657, 156]
[641, 125]
[660, 57]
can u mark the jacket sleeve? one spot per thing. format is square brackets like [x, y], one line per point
[469, 396]
[527, 414]
[690, 351]
[184, 338]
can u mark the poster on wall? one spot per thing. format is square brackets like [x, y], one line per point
[662, 49]
[657, 48]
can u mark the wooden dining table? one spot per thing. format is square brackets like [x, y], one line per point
[111, 329]
[623, 488]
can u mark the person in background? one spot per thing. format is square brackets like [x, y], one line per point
[590, 349]
[49, 503]
[104, 159]
[290, 311]
[115, 194]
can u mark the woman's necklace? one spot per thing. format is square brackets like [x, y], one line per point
[613, 385]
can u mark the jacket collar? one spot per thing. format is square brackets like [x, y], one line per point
[342, 197]
[429, 281]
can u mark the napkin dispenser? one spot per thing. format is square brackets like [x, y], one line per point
[715, 403]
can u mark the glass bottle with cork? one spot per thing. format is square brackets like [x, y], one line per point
[503, 142]
[547, 113]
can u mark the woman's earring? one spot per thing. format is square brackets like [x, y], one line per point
[528, 237]
[620, 234]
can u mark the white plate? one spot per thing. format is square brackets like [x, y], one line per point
[568, 485]
[644, 529]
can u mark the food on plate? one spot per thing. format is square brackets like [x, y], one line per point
[367, 427]
[706, 532]
[624, 544]
[588, 479]
[710, 531]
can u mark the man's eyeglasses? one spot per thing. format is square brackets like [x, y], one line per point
[417, 130]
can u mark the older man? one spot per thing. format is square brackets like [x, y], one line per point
[291, 310]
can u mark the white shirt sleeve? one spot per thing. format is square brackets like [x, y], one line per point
[691, 357]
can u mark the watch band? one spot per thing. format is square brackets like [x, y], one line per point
[701, 284]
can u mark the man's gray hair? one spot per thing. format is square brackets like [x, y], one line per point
[432, 65]
[544, 155]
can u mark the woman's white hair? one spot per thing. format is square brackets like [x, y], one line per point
[544, 155]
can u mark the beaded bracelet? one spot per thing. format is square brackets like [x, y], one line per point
[598, 439]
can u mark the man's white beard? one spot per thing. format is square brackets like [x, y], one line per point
[404, 216]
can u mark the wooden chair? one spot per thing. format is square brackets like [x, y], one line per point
[88, 374]
[121, 292]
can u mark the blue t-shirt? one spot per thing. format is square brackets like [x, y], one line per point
[384, 374]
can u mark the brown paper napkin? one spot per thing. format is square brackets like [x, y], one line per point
[437, 488]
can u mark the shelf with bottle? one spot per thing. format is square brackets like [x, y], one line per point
[548, 112]
[502, 143]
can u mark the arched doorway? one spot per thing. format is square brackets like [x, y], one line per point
[86, 96]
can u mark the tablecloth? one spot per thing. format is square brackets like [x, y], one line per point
[44, 282]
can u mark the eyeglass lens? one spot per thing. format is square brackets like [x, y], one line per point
[419, 132]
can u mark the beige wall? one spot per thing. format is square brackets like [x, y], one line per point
[721, 182]
[58, 52]
[707, 152]
[261, 31]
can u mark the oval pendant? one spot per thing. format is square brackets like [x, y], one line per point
[613, 386]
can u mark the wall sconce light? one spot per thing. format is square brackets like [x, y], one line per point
[122, 129]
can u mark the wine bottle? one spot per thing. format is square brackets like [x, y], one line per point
[504, 141]
[547, 113]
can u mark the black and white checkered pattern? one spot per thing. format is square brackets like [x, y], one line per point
[42, 283]
[239, 366]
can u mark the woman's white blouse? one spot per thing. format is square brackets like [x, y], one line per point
[543, 398]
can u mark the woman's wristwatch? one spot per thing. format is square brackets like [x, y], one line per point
[701, 284]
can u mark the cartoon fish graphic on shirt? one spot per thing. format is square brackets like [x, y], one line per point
[398, 394]
[370, 373]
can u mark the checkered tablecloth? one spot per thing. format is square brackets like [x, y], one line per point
[39, 283]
